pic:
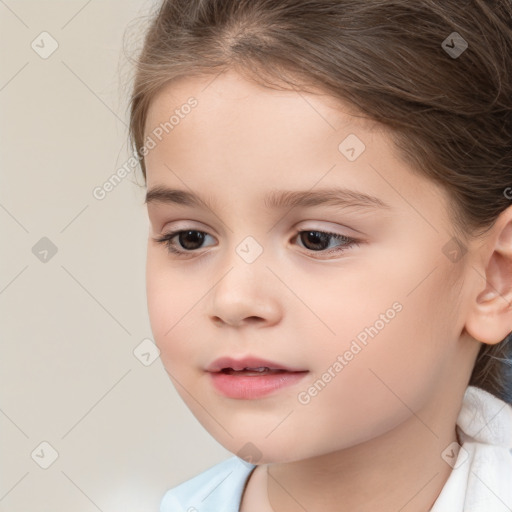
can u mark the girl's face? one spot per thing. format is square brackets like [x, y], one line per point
[377, 323]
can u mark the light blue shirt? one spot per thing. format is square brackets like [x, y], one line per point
[480, 481]
[217, 489]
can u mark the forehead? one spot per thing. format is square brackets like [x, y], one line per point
[243, 128]
[232, 88]
[247, 124]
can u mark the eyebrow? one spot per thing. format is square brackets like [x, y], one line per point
[275, 199]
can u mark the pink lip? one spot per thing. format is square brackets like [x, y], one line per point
[250, 387]
[248, 362]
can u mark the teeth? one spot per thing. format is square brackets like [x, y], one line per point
[247, 370]
[259, 369]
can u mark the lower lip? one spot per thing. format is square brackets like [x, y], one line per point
[250, 387]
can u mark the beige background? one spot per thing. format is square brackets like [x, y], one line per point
[71, 321]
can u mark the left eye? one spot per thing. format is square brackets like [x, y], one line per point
[319, 240]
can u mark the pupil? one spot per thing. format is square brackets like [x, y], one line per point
[318, 238]
[187, 235]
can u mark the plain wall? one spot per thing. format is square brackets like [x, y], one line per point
[72, 319]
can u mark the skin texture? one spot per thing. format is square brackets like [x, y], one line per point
[372, 438]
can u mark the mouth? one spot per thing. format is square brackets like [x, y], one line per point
[255, 372]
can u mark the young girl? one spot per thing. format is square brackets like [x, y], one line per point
[329, 266]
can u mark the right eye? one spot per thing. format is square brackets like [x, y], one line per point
[187, 238]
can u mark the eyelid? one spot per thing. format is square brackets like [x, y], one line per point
[309, 226]
[336, 229]
[183, 225]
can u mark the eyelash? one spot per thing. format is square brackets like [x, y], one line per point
[167, 241]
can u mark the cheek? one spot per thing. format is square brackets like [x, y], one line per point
[171, 299]
[394, 373]
[393, 358]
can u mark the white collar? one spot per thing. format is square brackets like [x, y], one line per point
[481, 478]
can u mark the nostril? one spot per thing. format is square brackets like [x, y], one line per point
[254, 319]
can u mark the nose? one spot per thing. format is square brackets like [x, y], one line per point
[247, 294]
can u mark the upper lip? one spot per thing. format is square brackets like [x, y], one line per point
[248, 362]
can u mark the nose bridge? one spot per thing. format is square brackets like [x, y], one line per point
[250, 250]
[245, 236]
[245, 266]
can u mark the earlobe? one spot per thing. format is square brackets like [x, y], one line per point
[490, 318]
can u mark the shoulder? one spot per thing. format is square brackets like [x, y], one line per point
[218, 488]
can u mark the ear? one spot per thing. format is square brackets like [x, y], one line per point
[490, 317]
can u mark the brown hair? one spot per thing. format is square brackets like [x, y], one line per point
[398, 62]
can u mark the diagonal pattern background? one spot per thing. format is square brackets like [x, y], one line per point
[89, 419]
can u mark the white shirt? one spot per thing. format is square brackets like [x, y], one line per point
[480, 481]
